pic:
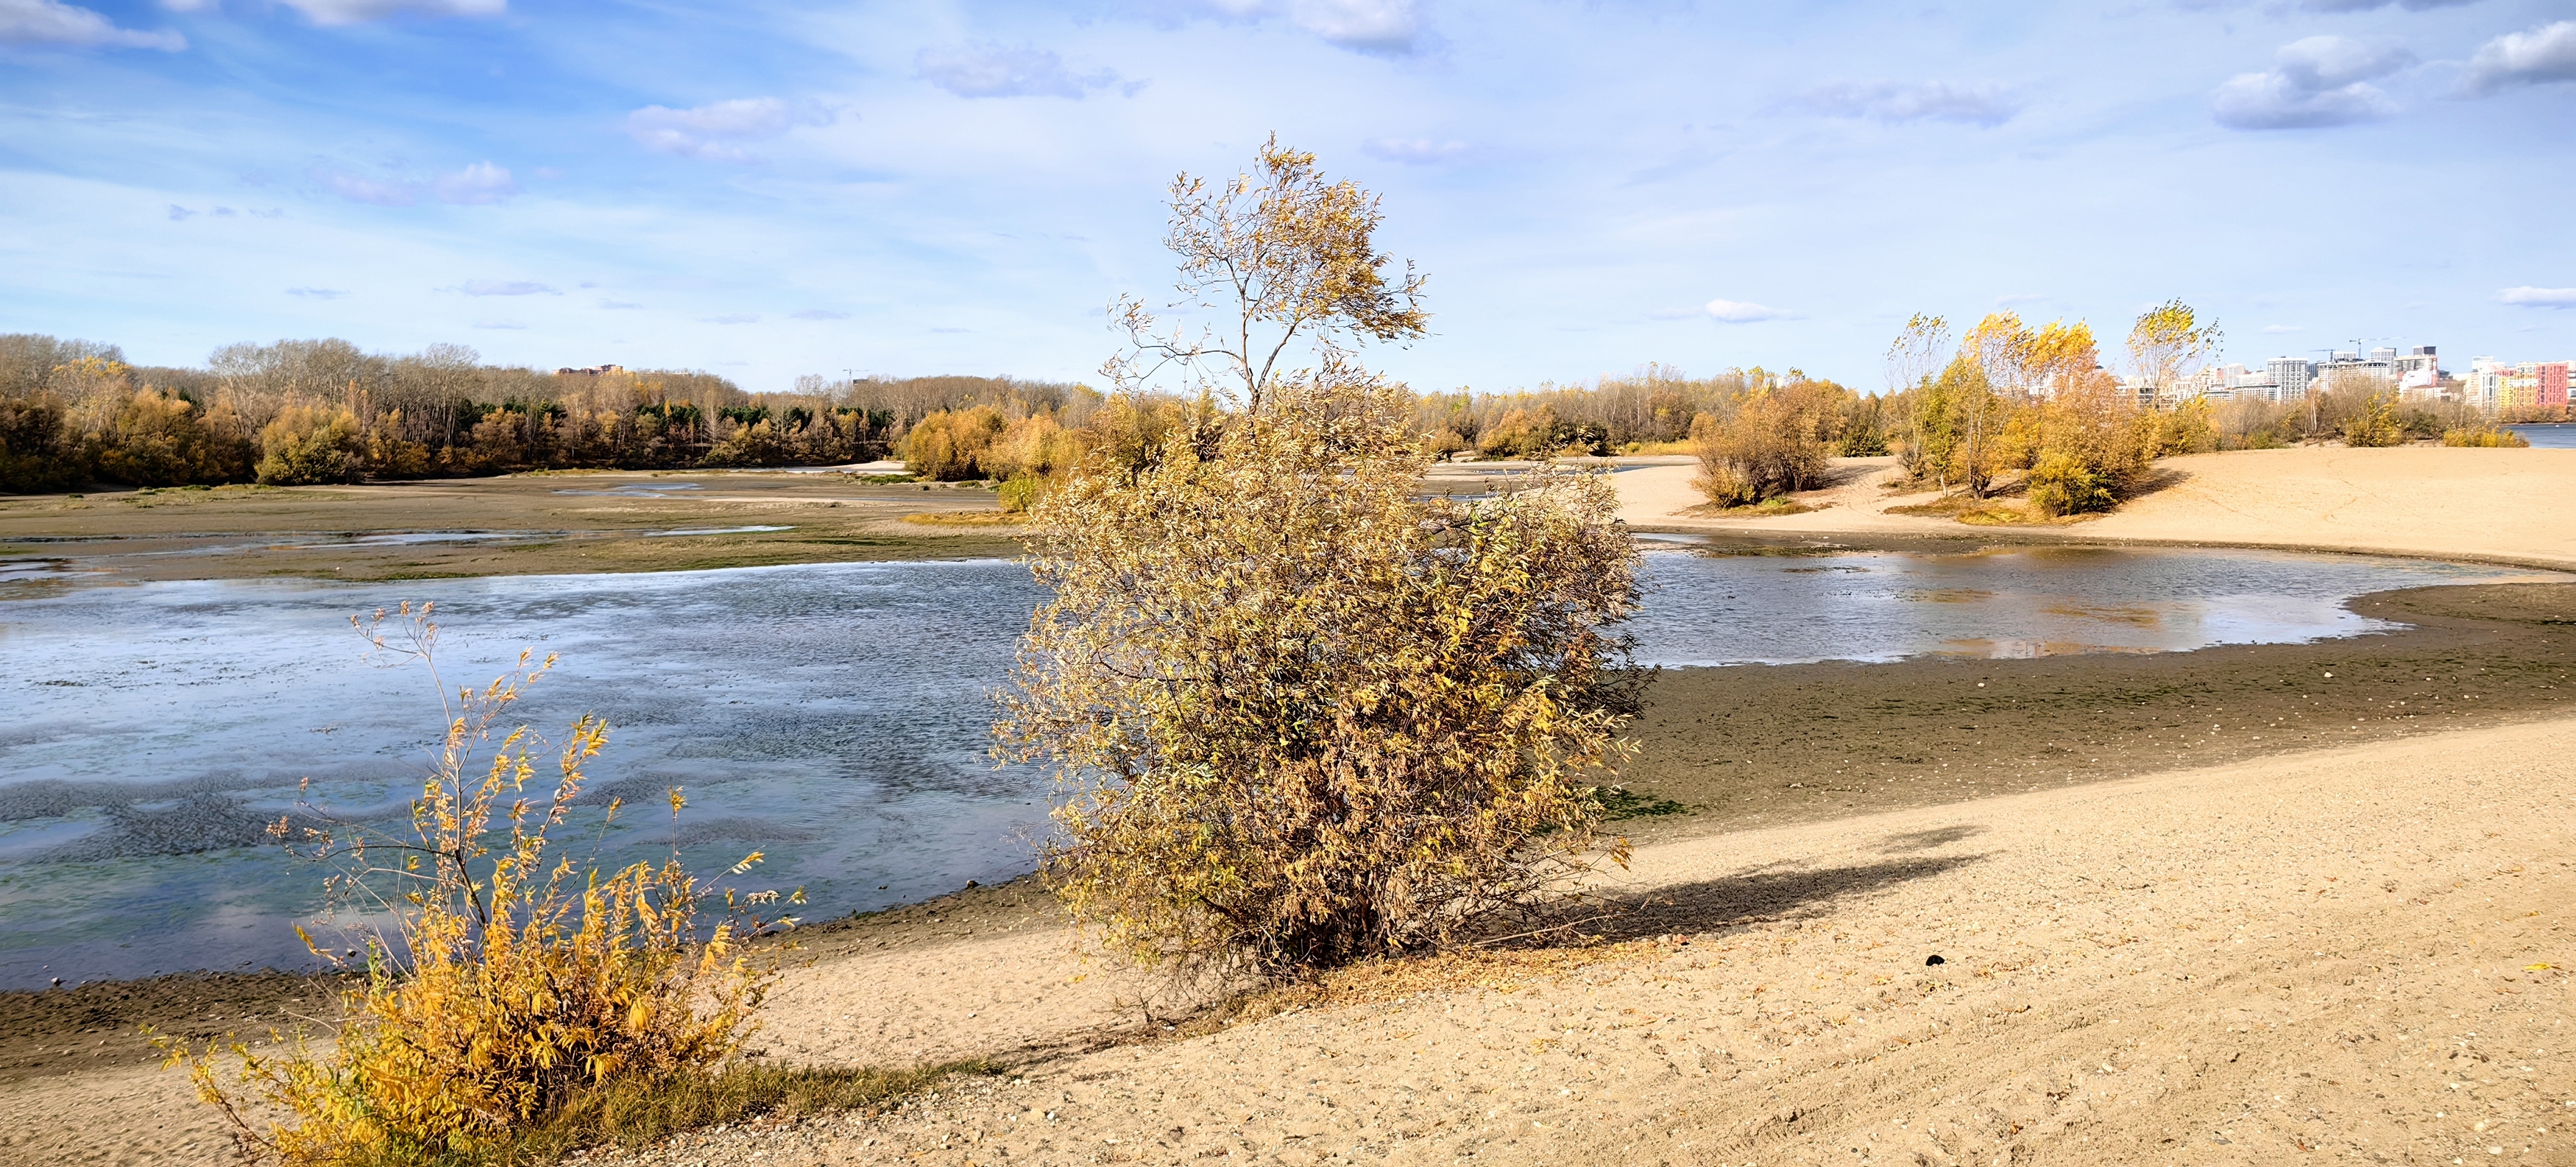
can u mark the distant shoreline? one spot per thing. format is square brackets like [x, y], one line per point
[2412, 502]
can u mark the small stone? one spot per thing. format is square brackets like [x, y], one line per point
[1933, 959]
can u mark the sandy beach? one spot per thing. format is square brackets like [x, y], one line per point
[2355, 954]
[2410, 500]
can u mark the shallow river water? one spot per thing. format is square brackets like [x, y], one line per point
[832, 716]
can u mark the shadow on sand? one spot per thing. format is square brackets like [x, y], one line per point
[1759, 895]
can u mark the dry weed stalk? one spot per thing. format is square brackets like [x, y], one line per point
[510, 980]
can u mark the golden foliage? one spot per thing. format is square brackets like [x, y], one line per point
[311, 444]
[2486, 437]
[1293, 255]
[1774, 443]
[2374, 424]
[1303, 715]
[949, 446]
[515, 981]
[2167, 340]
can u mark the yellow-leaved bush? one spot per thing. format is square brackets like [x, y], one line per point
[1305, 715]
[511, 980]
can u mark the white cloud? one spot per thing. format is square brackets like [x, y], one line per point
[1388, 28]
[2369, 5]
[618, 305]
[2539, 297]
[2318, 81]
[2282, 329]
[819, 314]
[52, 22]
[497, 324]
[362, 11]
[179, 214]
[1391, 27]
[316, 293]
[2546, 53]
[382, 193]
[994, 71]
[1971, 103]
[717, 131]
[507, 288]
[188, 5]
[1743, 312]
[734, 318]
[1414, 151]
[479, 183]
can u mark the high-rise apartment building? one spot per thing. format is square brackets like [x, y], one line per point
[2291, 377]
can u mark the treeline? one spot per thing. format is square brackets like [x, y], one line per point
[1654, 406]
[312, 411]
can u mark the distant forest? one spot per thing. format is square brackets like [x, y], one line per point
[308, 411]
[74, 412]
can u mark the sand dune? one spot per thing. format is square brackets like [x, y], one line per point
[2495, 505]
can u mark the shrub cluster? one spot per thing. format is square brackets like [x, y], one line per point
[518, 985]
[1305, 714]
[2485, 437]
[1772, 443]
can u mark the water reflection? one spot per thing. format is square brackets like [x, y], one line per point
[1710, 603]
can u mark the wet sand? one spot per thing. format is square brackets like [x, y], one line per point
[1760, 745]
[526, 524]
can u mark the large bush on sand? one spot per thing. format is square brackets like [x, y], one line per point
[1306, 716]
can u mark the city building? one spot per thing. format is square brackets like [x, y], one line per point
[2290, 377]
[2418, 372]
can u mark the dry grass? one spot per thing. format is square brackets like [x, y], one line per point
[994, 518]
[1777, 505]
[633, 1115]
[1988, 512]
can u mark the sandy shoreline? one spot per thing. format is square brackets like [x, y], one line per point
[2423, 501]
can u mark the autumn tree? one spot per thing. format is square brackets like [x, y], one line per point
[2167, 343]
[1302, 713]
[1916, 354]
[1283, 256]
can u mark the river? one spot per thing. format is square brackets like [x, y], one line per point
[831, 715]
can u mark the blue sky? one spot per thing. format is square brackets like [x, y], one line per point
[766, 190]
